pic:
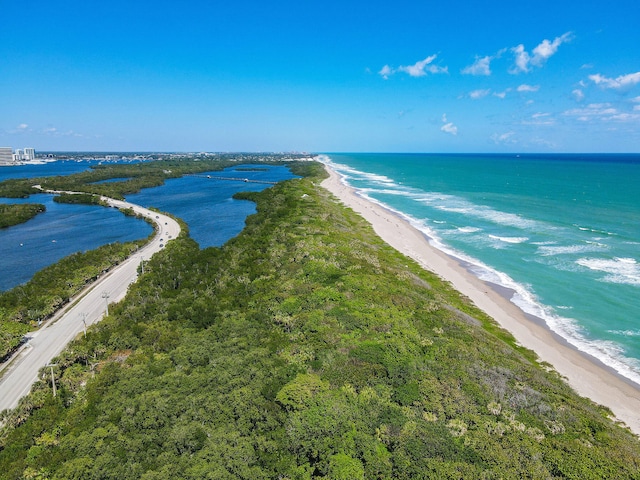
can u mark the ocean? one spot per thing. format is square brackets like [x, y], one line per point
[205, 204]
[561, 231]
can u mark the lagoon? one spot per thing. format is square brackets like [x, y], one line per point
[206, 205]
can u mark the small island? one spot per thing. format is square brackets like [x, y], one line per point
[16, 213]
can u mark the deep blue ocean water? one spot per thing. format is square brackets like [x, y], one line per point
[205, 204]
[562, 231]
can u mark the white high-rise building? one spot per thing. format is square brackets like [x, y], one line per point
[29, 154]
[6, 156]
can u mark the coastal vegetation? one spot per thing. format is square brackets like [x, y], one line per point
[16, 213]
[304, 348]
[134, 176]
[25, 307]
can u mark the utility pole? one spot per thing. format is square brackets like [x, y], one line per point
[83, 317]
[106, 295]
[53, 378]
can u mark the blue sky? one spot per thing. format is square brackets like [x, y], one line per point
[403, 76]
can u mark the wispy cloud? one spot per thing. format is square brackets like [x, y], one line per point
[547, 49]
[478, 94]
[523, 61]
[578, 94]
[448, 127]
[621, 83]
[528, 88]
[385, 72]
[419, 69]
[601, 112]
[21, 128]
[482, 66]
[506, 138]
[540, 119]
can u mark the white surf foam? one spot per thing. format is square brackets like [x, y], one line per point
[509, 239]
[626, 333]
[609, 353]
[468, 229]
[552, 250]
[618, 270]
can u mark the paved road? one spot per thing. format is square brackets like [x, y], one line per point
[47, 342]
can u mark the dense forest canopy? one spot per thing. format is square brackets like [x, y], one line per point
[304, 348]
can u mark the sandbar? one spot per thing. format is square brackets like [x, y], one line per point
[584, 373]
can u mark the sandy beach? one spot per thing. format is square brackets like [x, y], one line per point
[589, 377]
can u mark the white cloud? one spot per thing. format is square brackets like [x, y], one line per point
[386, 71]
[540, 115]
[623, 82]
[521, 59]
[601, 112]
[624, 117]
[540, 119]
[418, 69]
[448, 127]
[546, 49]
[478, 94]
[503, 138]
[528, 88]
[578, 94]
[501, 94]
[22, 128]
[480, 67]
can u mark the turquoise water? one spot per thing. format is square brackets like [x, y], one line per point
[561, 231]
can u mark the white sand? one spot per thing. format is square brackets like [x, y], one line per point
[585, 374]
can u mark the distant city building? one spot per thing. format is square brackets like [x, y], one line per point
[6, 156]
[29, 154]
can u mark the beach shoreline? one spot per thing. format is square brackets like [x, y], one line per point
[585, 374]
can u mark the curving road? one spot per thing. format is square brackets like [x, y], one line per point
[19, 373]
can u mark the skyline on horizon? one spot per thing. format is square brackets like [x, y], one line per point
[354, 77]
